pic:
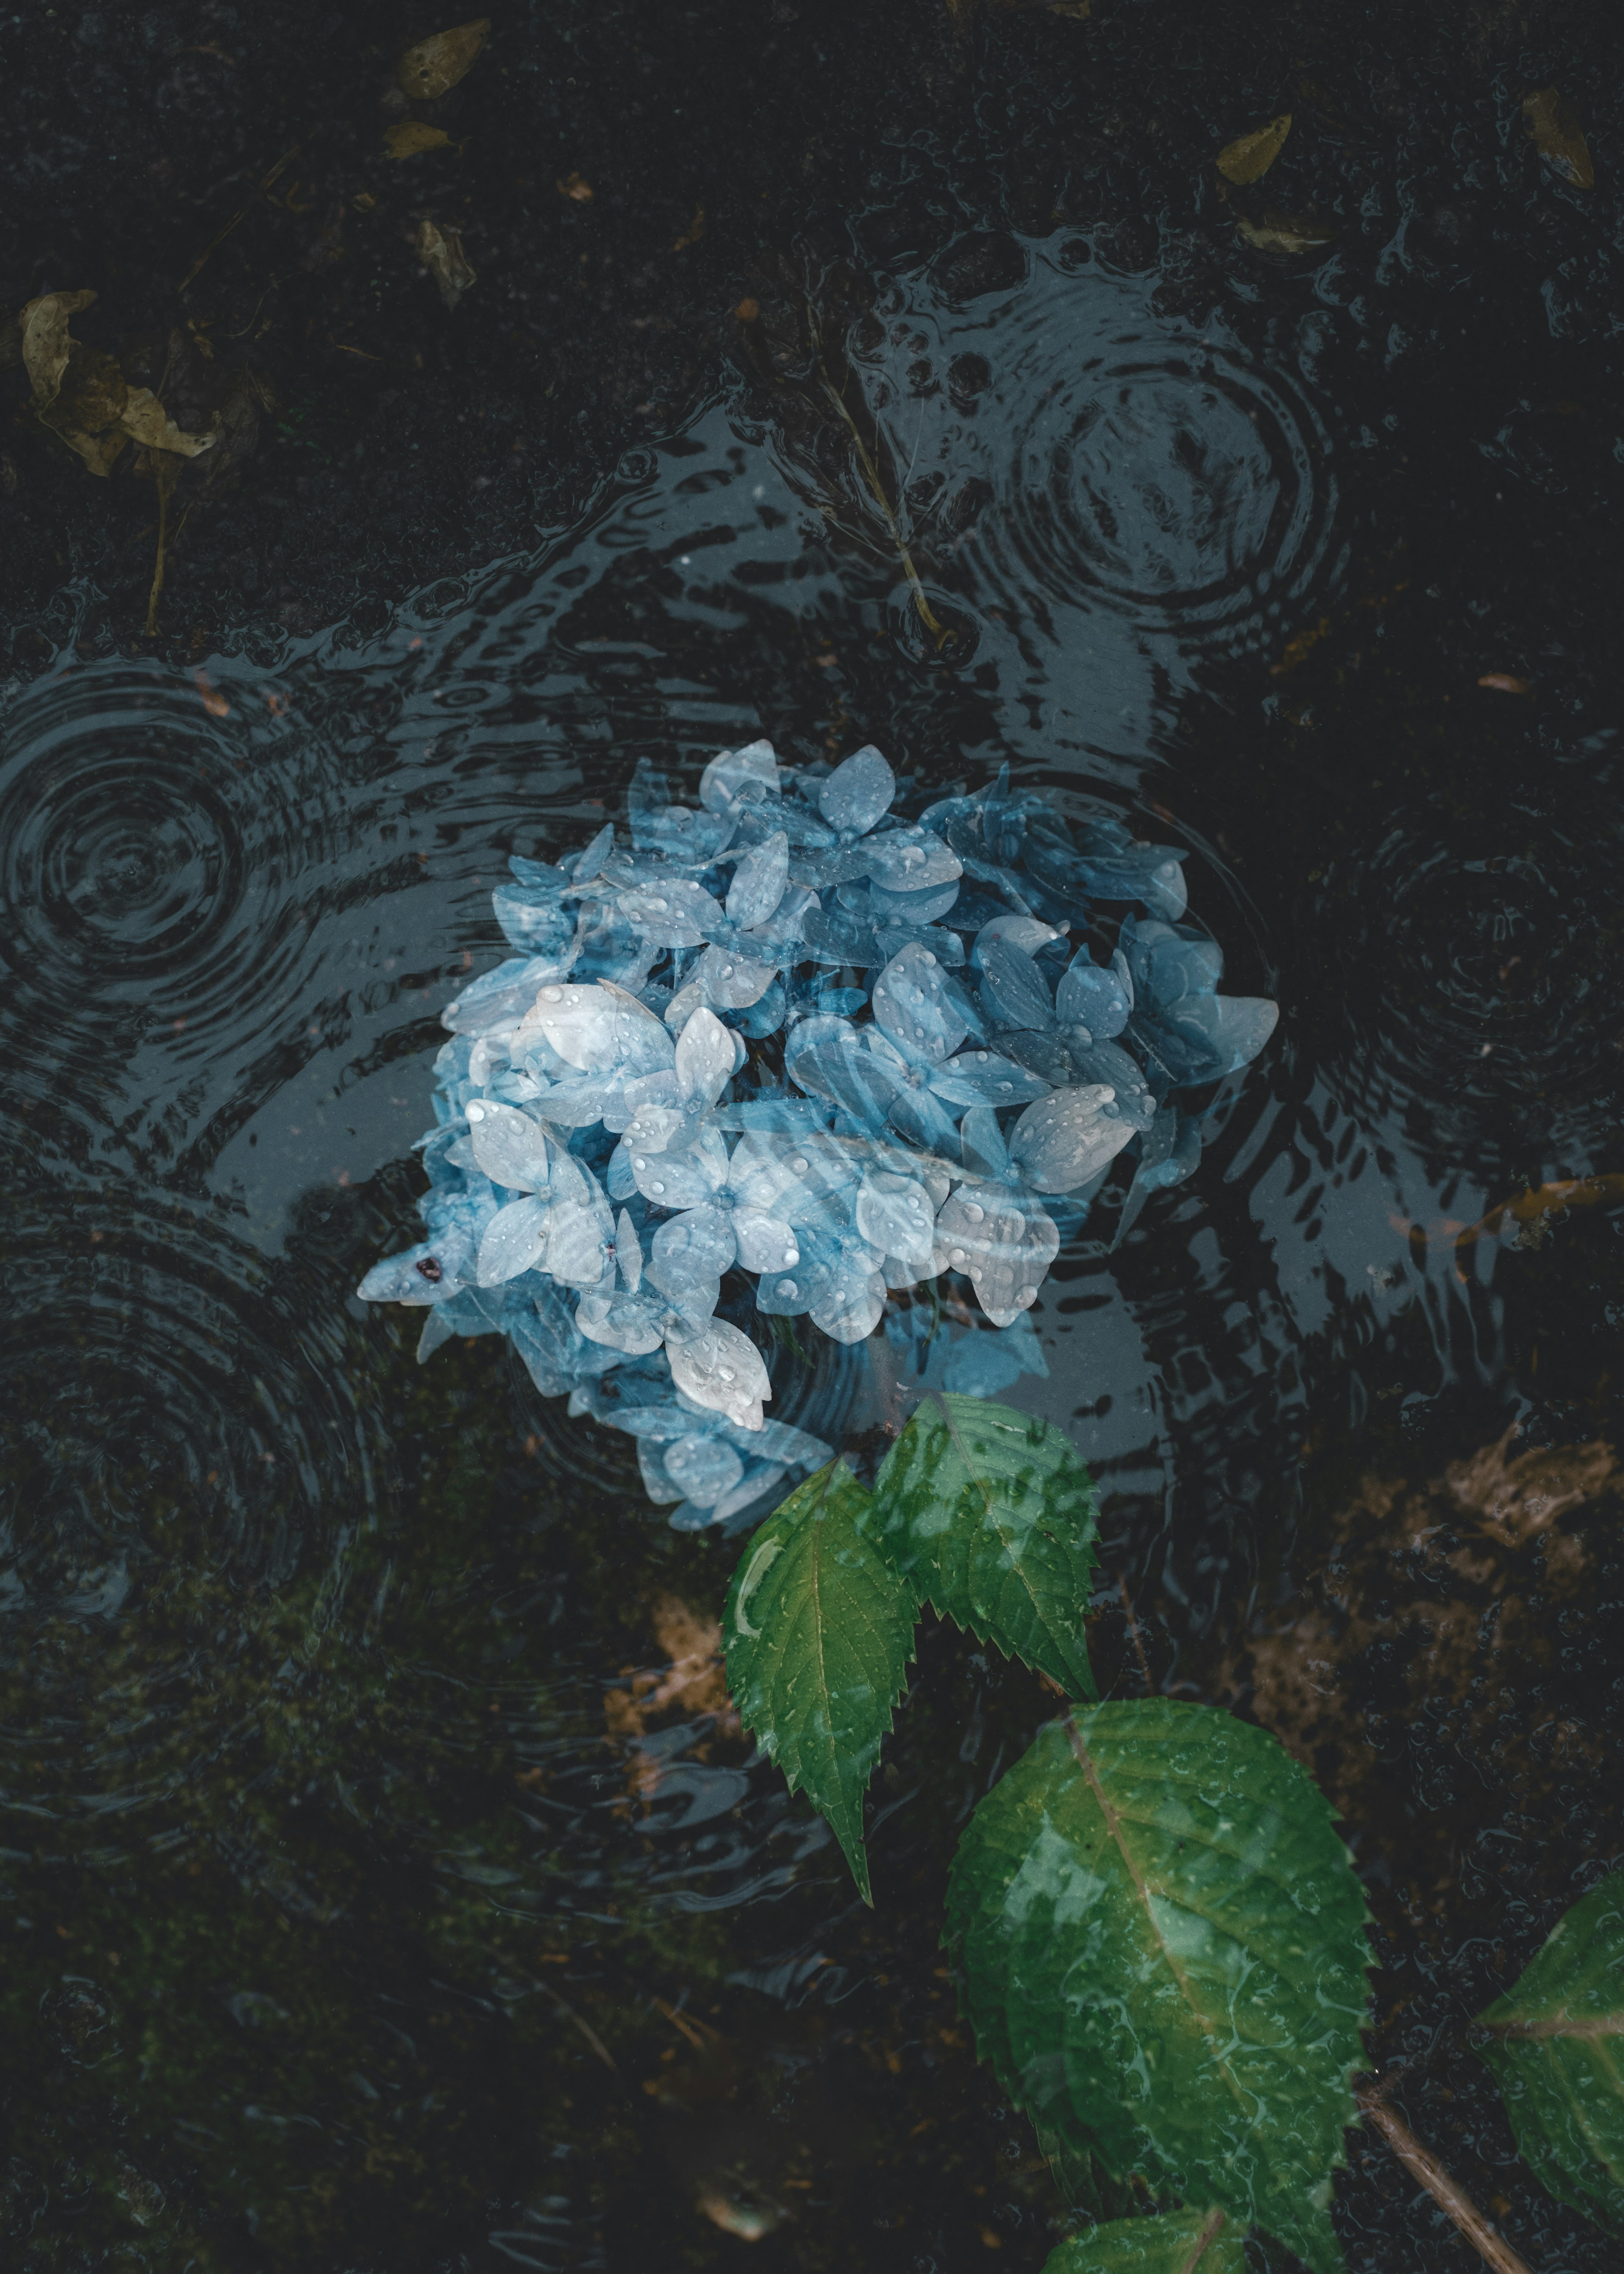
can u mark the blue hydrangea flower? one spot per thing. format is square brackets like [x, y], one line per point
[803, 1037]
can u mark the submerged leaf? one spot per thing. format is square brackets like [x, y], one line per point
[47, 343]
[440, 251]
[1559, 138]
[433, 67]
[1162, 1945]
[1282, 232]
[991, 1516]
[1250, 155]
[408, 136]
[818, 1631]
[1178, 2244]
[1555, 2045]
[145, 418]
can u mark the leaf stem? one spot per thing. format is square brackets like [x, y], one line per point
[1451, 2198]
[1209, 2233]
[871, 474]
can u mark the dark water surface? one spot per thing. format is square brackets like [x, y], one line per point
[350, 1878]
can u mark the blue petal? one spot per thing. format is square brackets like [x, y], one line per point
[858, 792]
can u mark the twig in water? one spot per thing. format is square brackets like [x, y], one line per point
[928, 615]
[1453, 2201]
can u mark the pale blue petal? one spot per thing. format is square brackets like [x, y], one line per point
[918, 1007]
[1014, 991]
[759, 881]
[514, 1240]
[508, 1145]
[983, 1078]
[1066, 1139]
[858, 792]
[705, 1467]
[748, 776]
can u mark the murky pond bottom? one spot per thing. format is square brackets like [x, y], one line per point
[386, 1879]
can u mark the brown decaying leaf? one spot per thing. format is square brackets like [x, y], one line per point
[692, 234]
[1504, 682]
[408, 136]
[1283, 232]
[433, 67]
[1250, 155]
[84, 398]
[577, 187]
[440, 251]
[1558, 137]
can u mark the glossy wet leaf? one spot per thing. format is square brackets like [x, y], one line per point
[991, 1516]
[1161, 1941]
[1558, 136]
[440, 251]
[1250, 156]
[1176, 2243]
[433, 67]
[818, 1632]
[1556, 2047]
[410, 136]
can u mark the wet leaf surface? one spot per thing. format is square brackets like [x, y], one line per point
[819, 1631]
[433, 67]
[992, 1517]
[1178, 2243]
[1205, 2032]
[1250, 156]
[1556, 2043]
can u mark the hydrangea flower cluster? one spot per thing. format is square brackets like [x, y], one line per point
[795, 1035]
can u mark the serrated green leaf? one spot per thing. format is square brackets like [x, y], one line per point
[1178, 2244]
[1163, 1949]
[818, 1632]
[1556, 2047]
[992, 1517]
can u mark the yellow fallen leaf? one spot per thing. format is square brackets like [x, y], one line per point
[145, 419]
[433, 67]
[1250, 155]
[1557, 138]
[408, 136]
[692, 234]
[440, 251]
[1282, 232]
[46, 341]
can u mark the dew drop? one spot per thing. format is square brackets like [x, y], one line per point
[929, 957]
[551, 994]
[659, 906]
[476, 1113]
[955, 1255]
[974, 1211]
[976, 1271]
[788, 1287]
[657, 1188]
[640, 1164]
[1028, 1294]
[726, 1372]
[798, 1165]
[1006, 1085]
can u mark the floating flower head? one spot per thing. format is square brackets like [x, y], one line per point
[800, 1037]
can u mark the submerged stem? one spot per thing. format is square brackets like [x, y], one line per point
[871, 475]
[1452, 2200]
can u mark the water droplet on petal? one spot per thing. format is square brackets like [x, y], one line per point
[955, 1255]
[640, 1164]
[976, 1271]
[1006, 1085]
[974, 1211]
[929, 957]
[726, 1372]
[551, 994]
[1028, 1295]
[476, 1113]
[798, 1165]
[657, 1188]
[788, 1287]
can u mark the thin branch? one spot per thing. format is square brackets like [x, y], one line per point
[1209, 2233]
[1453, 2201]
[871, 474]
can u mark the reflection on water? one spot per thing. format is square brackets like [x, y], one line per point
[306, 1652]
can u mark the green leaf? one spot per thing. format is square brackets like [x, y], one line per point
[1557, 2050]
[818, 1632]
[1162, 1948]
[992, 1517]
[1175, 2245]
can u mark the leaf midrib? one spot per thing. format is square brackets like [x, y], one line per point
[1113, 1825]
[988, 1509]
